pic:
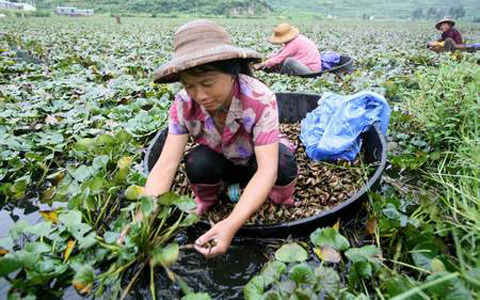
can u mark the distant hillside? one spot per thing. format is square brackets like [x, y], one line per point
[378, 9]
[426, 9]
[215, 7]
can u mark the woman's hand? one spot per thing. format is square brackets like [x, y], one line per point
[254, 195]
[217, 240]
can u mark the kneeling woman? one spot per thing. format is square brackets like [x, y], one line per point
[234, 119]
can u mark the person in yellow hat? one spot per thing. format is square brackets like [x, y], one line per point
[233, 118]
[451, 38]
[299, 55]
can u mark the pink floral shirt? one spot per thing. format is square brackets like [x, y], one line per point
[252, 120]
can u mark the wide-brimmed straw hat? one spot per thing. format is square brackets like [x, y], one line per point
[197, 43]
[283, 33]
[444, 20]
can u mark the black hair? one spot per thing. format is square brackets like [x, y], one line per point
[233, 67]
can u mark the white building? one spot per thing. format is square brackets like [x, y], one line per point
[16, 6]
[73, 11]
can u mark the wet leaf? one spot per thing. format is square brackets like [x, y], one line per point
[72, 217]
[41, 229]
[37, 247]
[329, 237]
[83, 280]
[133, 192]
[147, 205]
[423, 254]
[453, 289]
[272, 295]
[291, 253]
[254, 289]
[189, 220]
[124, 162]
[437, 265]
[49, 215]
[165, 256]
[328, 280]
[100, 162]
[372, 226]
[302, 274]
[272, 271]
[123, 137]
[8, 265]
[85, 145]
[68, 250]
[197, 296]
[328, 254]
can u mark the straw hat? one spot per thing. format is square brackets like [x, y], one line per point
[444, 20]
[197, 43]
[283, 33]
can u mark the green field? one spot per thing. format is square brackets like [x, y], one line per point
[78, 106]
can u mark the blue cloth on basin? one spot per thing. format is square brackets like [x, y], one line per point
[332, 130]
[330, 60]
[475, 45]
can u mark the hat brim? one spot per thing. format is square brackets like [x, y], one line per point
[444, 21]
[170, 71]
[285, 38]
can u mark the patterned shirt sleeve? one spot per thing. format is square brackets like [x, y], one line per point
[176, 123]
[266, 129]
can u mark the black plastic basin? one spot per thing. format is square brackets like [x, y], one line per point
[293, 107]
[344, 66]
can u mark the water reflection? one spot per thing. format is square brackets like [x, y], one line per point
[222, 277]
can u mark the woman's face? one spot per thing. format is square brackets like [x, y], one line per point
[211, 89]
[445, 26]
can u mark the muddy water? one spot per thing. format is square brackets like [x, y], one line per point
[222, 277]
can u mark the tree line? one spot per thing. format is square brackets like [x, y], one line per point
[433, 12]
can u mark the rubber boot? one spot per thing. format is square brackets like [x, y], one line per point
[206, 195]
[283, 194]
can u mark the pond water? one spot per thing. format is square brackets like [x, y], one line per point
[222, 277]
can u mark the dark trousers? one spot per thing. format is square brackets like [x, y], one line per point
[205, 166]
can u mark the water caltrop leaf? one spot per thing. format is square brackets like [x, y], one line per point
[328, 280]
[68, 250]
[8, 265]
[437, 265]
[72, 217]
[272, 295]
[37, 247]
[49, 215]
[366, 253]
[291, 253]
[165, 256]
[83, 280]
[302, 274]
[40, 229]
[329, 237]
[328, 254]
[133, 192]
[197, 296]
[272, 271]
[100, 162]
[423, 253]
[254, 289]
[124, 162]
